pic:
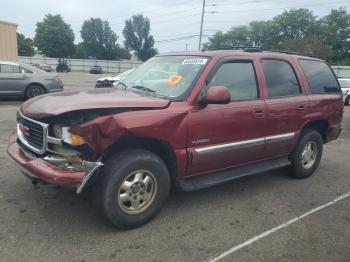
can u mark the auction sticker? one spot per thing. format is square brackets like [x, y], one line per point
[195, 61]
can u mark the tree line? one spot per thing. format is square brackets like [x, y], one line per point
[297, 30]
[55, 38]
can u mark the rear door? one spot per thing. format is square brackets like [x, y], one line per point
[12, 80]
[285, 106]
[222, 136]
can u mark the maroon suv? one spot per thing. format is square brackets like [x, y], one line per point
[189, 120]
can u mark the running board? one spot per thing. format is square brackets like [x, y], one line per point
[219, 177]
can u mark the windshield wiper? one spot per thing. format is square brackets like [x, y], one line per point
[122, 84]
[149, 90]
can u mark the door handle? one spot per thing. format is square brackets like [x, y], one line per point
[258, 113]
[301, 107]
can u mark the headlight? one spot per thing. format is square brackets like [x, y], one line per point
[70, 138]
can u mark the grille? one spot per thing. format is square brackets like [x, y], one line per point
[34, 134]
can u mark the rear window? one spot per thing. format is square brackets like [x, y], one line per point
[319, 76]
[280, 78]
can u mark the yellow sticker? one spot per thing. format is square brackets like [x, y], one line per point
[173, 80]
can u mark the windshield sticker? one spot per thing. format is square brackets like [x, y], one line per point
[173, 80]
[195, 61]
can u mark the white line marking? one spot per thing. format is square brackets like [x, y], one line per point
[3, 145]
[268, 232]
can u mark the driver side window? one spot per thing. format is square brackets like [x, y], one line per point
[239, 78]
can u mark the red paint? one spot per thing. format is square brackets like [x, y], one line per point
[189, 125]
[42, 169]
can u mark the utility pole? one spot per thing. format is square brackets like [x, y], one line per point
[201, 30]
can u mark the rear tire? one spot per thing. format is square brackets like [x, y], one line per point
[34, 90]
[133, 187]
[307, 155]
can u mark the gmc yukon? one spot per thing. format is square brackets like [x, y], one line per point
[186, 120]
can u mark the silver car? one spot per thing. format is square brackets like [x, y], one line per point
[18, 79]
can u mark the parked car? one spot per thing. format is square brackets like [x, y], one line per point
[96, 69]
[23, 80]
[222, 115]
[44, 67]
[109, 81]
[345, 87]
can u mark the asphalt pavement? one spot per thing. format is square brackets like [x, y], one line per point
[249, 216]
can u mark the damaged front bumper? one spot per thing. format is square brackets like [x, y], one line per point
[53, 169]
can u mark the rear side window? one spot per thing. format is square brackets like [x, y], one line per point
[319, 76]
[239, 78]
[280, 78]
[5, 68]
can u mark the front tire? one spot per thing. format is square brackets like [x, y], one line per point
[307, 155]
[347, 100]
[133, 187]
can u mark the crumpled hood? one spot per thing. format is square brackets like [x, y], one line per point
[61, 102]
[109, 78]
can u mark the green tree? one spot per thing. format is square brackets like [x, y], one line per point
[100, 40]
[25, 45]
[137, 37]
[263, 34]
[54, 37]
[236, 37]
[294, 24]
[336, 32]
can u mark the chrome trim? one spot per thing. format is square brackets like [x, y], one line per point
[280, 137]
[25, 142]
[46, 138]
[244, 143]
[230, 146]
[54, 140]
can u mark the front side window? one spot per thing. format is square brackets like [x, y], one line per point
[5, 68]
[280, 78]
[167, 76]
[239, 78]
[319, 76]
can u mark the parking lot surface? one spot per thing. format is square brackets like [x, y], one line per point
[55, 224]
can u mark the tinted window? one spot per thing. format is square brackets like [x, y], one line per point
[319, 76]
[4, 68]
[280, 78]
[239, 78]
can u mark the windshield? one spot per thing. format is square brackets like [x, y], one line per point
[168, 76]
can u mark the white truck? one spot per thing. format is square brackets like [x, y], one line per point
[345, 87]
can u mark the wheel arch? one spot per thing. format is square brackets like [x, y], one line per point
[161, 148]
[32, 84]
[320, 125]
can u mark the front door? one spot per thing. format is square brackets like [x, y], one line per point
[223, 136]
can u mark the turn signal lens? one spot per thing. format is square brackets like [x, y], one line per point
[77, 140]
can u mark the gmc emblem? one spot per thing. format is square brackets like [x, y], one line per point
[24, 129]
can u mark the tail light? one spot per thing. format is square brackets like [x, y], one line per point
[57, 78]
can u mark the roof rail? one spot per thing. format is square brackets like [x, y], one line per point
[289, 52]
[241, 47]
[253, 49]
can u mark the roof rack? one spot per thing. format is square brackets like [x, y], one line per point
[257, 49]
[231, 48]
[254, 49]
[289, 52]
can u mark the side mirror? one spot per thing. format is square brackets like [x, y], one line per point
[216, 95]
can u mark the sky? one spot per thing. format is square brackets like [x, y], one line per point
[175, 24]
